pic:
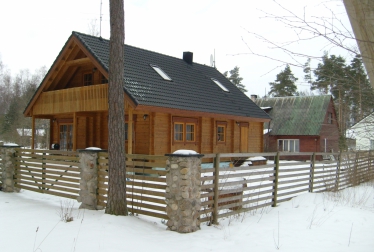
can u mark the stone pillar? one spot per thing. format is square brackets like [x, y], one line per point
[88, 181]
[8, 167]
[183, 185]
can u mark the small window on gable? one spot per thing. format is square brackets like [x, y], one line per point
[103, 80]
[87, 79]
[161, 72]
[220, 85]
[329, 119]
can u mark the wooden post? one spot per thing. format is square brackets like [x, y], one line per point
[311, 173]
[43, 171]
[75, 130]
[216, 187]
[275, 181]
[33, 133]
[338, 172]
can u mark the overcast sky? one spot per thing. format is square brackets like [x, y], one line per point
[34, 32]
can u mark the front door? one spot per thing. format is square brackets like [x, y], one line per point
[244, 137]
[66, 137]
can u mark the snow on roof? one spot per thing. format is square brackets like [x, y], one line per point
[185, 152]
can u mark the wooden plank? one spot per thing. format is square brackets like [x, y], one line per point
[306, 174]
[28, 176]
[143, 205]
[35, 172]
[148, 213]
[144, 185]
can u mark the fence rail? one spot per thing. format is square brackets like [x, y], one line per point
[232, 184]
[145, 185]
[229, 190]
[47, 171]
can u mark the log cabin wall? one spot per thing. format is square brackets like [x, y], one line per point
[154, 135]
[256, 137]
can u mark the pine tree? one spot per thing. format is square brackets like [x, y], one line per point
[116, 203]
[284, 84]
[236, 79]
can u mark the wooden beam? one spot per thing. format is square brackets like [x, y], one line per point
[189, 113]
[75, 125]
[33, 133]
[78, 62]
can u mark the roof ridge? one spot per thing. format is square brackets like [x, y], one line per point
[139, 48]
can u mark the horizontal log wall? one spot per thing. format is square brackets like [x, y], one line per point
[51, 172]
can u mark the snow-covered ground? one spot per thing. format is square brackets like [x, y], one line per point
[342, 221]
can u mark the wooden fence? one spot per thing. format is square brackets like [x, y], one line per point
[226, 189]
[145, 185]
[48, 171]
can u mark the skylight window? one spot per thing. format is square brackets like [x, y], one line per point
[161, 72]
[220, 85]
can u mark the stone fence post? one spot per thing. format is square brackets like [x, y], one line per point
[89, 178]
[183, 186]
[8, 166]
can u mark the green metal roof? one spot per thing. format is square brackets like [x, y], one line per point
[296, 115]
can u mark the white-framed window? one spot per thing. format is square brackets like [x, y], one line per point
[290, 145]
[161, 72]
[220, 85]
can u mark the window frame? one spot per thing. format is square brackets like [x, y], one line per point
[86, 82]
[68, 138]
[329, 118]
[185, 125]
[161, 72]
[292, 148]
[223, 125]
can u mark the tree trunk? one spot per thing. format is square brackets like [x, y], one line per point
[116, 122]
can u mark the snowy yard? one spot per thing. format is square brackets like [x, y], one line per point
[342, 221]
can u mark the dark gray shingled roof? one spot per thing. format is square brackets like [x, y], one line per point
[296, 115]
[191, 87]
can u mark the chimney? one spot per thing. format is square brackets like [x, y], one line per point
[188, 57]
[254, 97]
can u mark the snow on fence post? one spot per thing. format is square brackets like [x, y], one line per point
[183, 187]
[275, 181]
[8, 166]
[88, 159]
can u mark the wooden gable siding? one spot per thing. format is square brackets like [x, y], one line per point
[330, 131]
